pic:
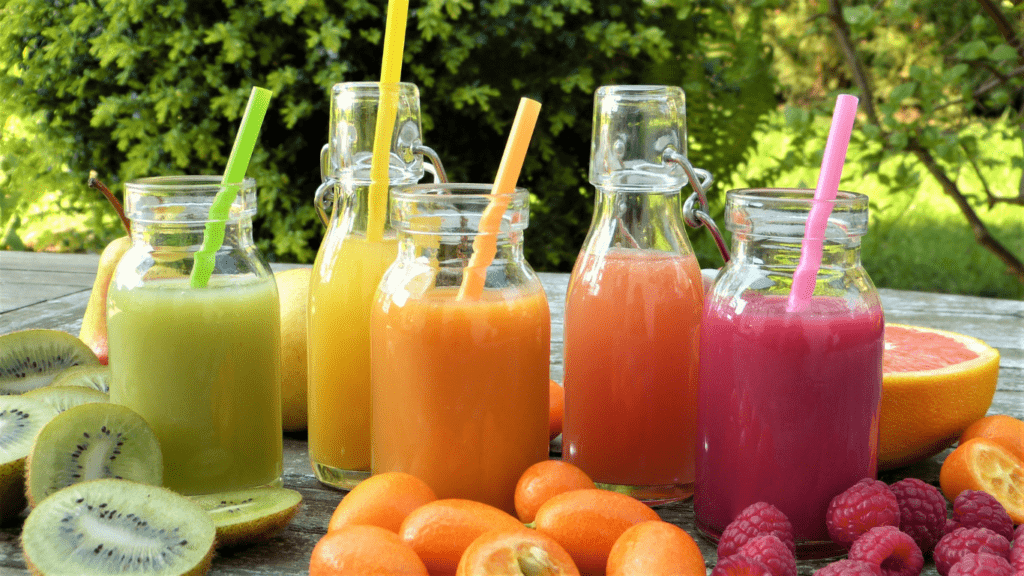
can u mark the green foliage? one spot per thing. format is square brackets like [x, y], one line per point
[134, 88]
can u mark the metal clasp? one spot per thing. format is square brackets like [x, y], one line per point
[695, 216]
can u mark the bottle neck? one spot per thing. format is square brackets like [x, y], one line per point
[188, 236]
[644, 220]
[784, 251]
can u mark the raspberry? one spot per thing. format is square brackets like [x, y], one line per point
[755, 520]
[922, 512]
[865, 505]
[1017, 551]
[977, 509]
[961, 541]
[893, 551]
[739, 565]
[770, 551]
[981, 565]
[850, 568]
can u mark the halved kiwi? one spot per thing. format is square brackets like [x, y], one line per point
[109, 527]
[245, 516]
[30, 359]
[88, 442]
[20, 419]
[95, 376]
[64, 397]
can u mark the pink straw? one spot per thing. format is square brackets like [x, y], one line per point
[828, 186]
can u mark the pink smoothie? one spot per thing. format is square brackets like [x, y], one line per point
[787, 409]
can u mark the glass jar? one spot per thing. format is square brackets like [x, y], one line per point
[633, 306]
[789, 397]
[201, 365]
[349, 264]
[460, 381]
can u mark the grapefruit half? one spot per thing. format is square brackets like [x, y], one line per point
[934, 385]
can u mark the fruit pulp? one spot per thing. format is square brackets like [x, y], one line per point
[632, 321]
[341, 292]
[460, 390]
[788, 409]
[202, 366]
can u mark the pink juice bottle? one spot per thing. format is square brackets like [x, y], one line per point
[787, 409]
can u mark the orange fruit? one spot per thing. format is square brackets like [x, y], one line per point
[364, 550]
[514, 553]
[655, 548]
[382, 500]
[1004, 430]
[588, 522]
[556, 407]
[440, 531]
[982, 464]
[542, 481]
[934, 385]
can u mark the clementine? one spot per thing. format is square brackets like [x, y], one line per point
[655, 548]
[514, 553]
[1000, 428]
[440, 531]
[382, 500]
[983, 464]
[542, 481]
[588, 522]
[364, 550]
[556, 407]
[934, 385]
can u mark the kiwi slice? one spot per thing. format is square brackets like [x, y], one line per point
[64, 397]
[30, 359]
[20, 419]
[245, 516]
[95, 376]
[108, 527]
[88, 442]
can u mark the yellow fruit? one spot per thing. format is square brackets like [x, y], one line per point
[293, 289]
[934, 385]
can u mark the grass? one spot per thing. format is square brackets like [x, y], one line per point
[918, 239]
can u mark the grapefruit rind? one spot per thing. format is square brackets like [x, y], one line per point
[924, 412]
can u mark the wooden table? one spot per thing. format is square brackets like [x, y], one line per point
[39, 290]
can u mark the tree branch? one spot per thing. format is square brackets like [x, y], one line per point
[842, 34]
[1002, 23]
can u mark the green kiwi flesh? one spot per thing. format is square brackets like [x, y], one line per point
[95, 376]
[64, 397]
[20, 419]
[88, 442]
[254, 515]
[109, 527]
[30, 359]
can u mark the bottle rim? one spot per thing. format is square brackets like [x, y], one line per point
[787, 209]
[459, 205]
[185, 198]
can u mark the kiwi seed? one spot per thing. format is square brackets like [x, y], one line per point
[95, 376]
[109, 527]
[253, 515]
[20, 420]
[64, 397]
[30, 359]
[88, 442]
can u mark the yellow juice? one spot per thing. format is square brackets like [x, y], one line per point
[202, 366]
[341, 292]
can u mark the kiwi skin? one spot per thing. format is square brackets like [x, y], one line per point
[235, 513]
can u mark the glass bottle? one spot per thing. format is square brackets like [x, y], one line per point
[460, 380]
[349, 264]
[201, 365]
[633, 306]
[788, 401]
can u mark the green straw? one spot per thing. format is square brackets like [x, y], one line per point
[238, 162]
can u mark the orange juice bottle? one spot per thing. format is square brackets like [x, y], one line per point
[348, 267]
[633, 308]
[459, 384]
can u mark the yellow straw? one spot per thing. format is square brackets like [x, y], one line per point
[387, 109]
[485, 245]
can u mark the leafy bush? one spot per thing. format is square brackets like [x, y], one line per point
[135, 88]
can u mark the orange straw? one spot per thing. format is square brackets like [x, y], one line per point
[387, 110]
[485, 245]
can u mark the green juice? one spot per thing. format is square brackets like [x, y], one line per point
[202, 366]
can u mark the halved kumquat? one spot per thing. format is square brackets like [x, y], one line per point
[982, 464]
[655, 548]
[544, 480]
[1001, 429]
[364, 550]
[588, 522]
[514, 553]
[440, 531]
[382, 500]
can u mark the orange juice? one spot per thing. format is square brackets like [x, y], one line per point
[460, 388]
[344, 280]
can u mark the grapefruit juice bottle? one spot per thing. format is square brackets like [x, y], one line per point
[788, 398]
